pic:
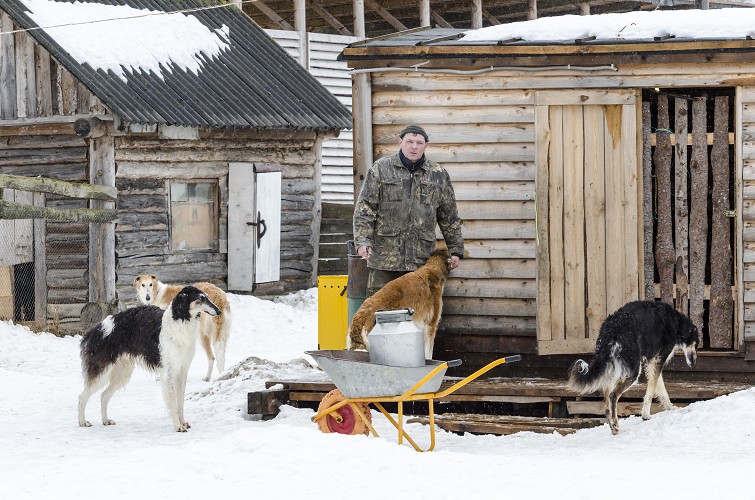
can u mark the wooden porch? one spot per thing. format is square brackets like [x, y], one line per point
[500, 405]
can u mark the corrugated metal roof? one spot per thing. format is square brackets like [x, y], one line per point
[254, 83]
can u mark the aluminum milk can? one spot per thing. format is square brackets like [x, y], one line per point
[395, 340]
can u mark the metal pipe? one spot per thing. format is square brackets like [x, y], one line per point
[611, 67]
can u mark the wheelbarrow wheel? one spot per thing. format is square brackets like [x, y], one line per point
[350, 424]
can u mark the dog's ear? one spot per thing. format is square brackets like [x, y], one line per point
[180, 306]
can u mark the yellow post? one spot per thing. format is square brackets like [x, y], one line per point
[332, 312]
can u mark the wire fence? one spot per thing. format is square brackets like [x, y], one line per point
[45, 256]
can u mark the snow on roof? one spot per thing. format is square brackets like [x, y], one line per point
[697, 24]
[111, 37]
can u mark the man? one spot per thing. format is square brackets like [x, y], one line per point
[402, 199]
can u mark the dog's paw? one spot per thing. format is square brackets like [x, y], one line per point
[85, 423]
[182, 428]
[108, 421]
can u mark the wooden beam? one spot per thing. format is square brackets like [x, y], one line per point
[40, 267]
[102, 236]
[439, 20]
[358, 12]
[329, 18]
[54, 186]
[300, 24]
[90, 127]
[10, 210]
[424, 12]
[476, 14]
[531, 9]
[50, 125]
[490, 18]
[372, 4]
[270, 13]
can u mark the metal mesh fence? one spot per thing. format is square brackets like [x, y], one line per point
[45, 255]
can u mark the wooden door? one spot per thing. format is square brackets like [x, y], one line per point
[254, 223]
[589, 242]
[267, 239]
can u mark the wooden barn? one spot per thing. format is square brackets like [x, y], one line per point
[186, 144]
[595, 162]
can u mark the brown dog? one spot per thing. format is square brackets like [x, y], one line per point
[213, 330]
[420, 290]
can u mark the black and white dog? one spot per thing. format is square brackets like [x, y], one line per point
[160, 340]
[640, 334]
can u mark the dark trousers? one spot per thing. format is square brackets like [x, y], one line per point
[378, 278]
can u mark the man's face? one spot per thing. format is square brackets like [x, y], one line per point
[413, 146]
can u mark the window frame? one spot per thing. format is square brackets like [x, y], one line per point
[215, 222]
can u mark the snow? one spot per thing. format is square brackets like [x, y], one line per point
[705, 450]
[120, 38]
[697, 24]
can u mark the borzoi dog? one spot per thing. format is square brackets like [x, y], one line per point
[420, 290]
[214, 331]
[160, 340]
[641, 334]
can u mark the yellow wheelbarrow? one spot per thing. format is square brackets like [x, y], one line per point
[360, 383]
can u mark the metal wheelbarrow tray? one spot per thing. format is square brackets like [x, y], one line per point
[361, 383]
[356, 377]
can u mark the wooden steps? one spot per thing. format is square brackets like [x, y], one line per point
[504, 425]
[567, 411]
[561, 400]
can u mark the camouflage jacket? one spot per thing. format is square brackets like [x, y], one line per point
[397, 211]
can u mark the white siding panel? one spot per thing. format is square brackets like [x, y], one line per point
[337, 154]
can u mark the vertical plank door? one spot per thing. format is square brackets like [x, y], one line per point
[589, 221]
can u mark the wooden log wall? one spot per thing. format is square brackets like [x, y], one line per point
[62, 157]
[144, 165]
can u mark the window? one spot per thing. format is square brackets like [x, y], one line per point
[193, 216]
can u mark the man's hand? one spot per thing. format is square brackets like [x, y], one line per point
[455, 260]
[364, 251]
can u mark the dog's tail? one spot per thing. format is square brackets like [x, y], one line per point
[599, 374]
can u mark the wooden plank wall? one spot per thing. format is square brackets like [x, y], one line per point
[34, 85]
[337, 157]
[145, 164]
[481, 130]
[681, 235]
[485, 138]
[746, 105]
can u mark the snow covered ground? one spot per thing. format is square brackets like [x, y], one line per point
[706, 450]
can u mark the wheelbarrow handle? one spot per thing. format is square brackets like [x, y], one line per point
[453, 363]
[515, 357]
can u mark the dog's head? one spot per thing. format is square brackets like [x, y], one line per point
[687, 339]
[146, 288]
[190, 303]
[440, 259]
